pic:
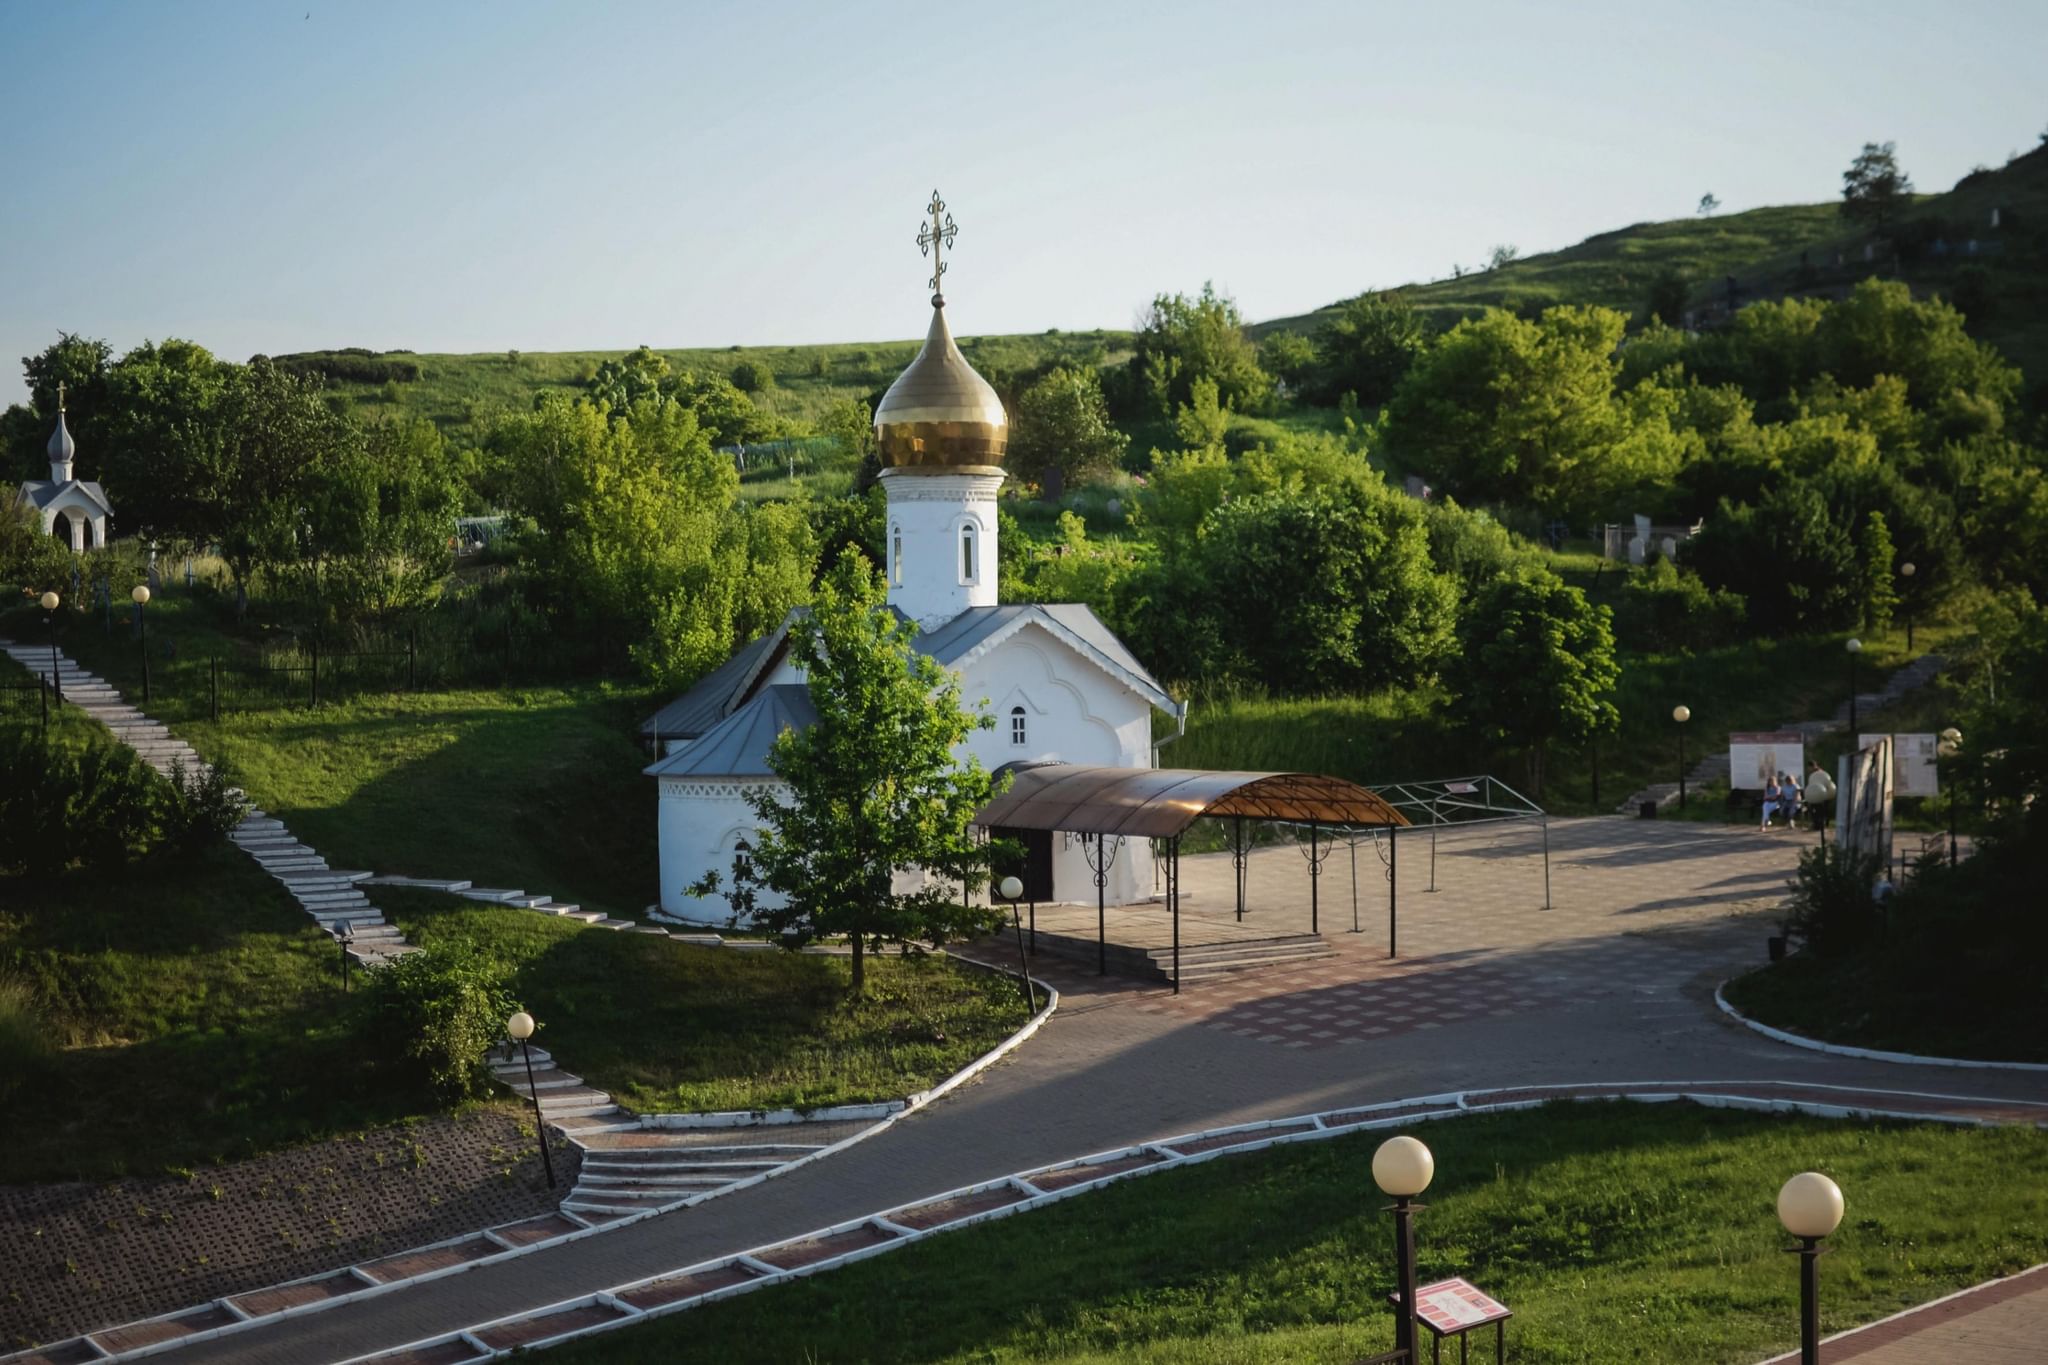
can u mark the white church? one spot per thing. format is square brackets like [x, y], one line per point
[80, 504]
[1059, 683]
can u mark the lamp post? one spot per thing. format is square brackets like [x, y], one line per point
[48, 602]
[1820, 790]
[1810, 1207]
[1906, 571]
[1951, 745]
[1402, 1168]
[1681, 714]
[1012, 890]
[1855, 647]
[140, 594]
[520, 1028]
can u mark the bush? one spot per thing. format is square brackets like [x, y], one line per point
[200, 808]
[1663, 608]
[435, 1014]
[64, 804]
[1832, 911]
[26, 1046]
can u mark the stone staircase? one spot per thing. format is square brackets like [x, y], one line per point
[628, 1168]
[333, 898]
[1714, 767]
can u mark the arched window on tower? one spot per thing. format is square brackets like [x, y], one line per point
[968, 562]
[1018, 734]
[896, 556]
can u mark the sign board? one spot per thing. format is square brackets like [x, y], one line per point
[1755, 757]
[1914, 769]
[1863, 810]
[1452, 1306]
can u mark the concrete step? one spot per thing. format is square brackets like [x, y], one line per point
[579, 1098]
[544, 1079]
[424, 883]
[502, 1056]
[669, 1163]
[602, 923]
[605, 1117]
[490, 893]
[555, 908]
[587, 916]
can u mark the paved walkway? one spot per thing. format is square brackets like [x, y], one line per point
[2004, 1322]
[1619, 980]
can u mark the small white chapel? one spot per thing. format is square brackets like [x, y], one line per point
[1061, 686]
[80, 504]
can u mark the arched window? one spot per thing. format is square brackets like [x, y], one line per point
[1017, 728]
[967, 559]
[896, 556]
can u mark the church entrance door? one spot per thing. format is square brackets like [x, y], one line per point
[1035, 868]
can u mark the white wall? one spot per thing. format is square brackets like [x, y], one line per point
[698, 824]
[925, 568]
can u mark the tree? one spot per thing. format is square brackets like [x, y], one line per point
[1501, 256]
[1202, 422]
[753, 376]
[1880, 574]
[873, 795]
[1709, 205]
[1366, 348]
[851, 423]
[1536, 667]
[1290, 358]
[1666, 300]
[1180, 340]
[1786, 555]
[1062, 423]
[1874, 188]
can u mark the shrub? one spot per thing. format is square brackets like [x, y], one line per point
[1832, 911]
[1663, 608]
[200, 808]
[64, 804]
[436, 1013]
[26, 1046]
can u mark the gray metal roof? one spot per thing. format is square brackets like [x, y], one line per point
[722, 691]
[713, 697]
[738, 745]
[43, 492]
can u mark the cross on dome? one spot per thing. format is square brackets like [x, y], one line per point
[934, 235]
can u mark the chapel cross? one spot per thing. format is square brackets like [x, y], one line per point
[934, 235]
[60, 395]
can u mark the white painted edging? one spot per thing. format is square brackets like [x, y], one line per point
[1302, 1128]
[1863, 1053]
[889, 1113]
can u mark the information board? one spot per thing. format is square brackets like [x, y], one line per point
[1755, 757]
[1914, 769]
[1450, 1306]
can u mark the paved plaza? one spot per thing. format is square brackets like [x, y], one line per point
[1612, 984]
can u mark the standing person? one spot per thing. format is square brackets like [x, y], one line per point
[1772, 792]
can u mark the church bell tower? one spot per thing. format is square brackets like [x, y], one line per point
[940, 432]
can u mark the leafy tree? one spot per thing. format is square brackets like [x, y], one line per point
[873, 795]
[1787, 557]
[1366, 348]
[1535, 667]
[1502, 256]
[1874, 188]
[434, 1015]
[1180, 340]
[80, 364]
[371, 524]
[1664, 608]
[1203, 421]
[1062, 423]
[1290, 358]
[1667, 297]
[1509, 410]
[726, 414]
[753, 376]
[1880, 592]
[621, 382]
[1709, 205]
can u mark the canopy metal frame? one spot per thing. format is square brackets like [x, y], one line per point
[1446, 802]
[1103, 804]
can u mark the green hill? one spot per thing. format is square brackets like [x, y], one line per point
[1768, 252]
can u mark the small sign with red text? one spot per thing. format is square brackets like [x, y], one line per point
[1450, 1306]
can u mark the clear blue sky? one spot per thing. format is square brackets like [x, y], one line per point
[442, 176]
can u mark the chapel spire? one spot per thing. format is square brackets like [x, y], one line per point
[62, 449]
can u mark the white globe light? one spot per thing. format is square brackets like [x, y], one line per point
[48, 601]
[1952, 735]
[1907, 568]
[1855, 646]
[1810, 1205]
[1402, 1167]
[1681, 714]
[1011, 889]
[520, 1026]
[140, 593]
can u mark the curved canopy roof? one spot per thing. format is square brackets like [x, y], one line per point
[1159, 803]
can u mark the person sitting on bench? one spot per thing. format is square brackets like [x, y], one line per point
[1772, 793]
[1789, 798]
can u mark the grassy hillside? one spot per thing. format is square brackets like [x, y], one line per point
[1613, 269]
[454, 389]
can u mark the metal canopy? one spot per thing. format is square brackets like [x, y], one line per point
[1160, 803]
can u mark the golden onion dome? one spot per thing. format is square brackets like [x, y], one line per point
[940, 414]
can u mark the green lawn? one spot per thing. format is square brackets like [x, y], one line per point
[1616, 1233]
[669, 1027]
[1864, 1001]
[537, 787]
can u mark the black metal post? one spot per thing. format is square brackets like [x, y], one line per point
[142, 620]
[1952, 826]
[1853, 745]
[1315, 877]
[1681, 765]
[540, 1123]
[1404, 1269]
[1394, 884]
[1101, 901]
[1237, 861]
[1024, 960]
[43, 695]
[1173, 894]
[1809, 1301]
[56, 678]
[1034, 926]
